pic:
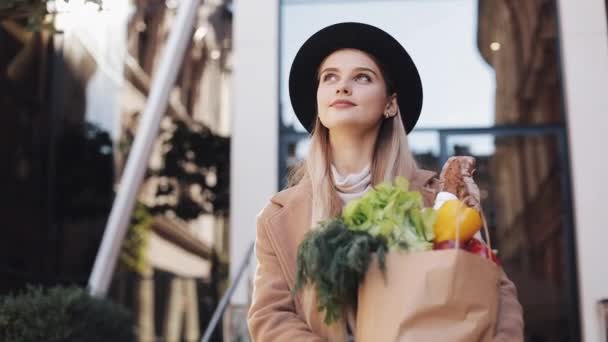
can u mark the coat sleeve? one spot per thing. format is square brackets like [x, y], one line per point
[272, 315]
[510, 325]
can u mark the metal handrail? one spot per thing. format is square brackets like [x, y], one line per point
[289, 134]
[219, 311]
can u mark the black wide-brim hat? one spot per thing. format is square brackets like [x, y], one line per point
[396, 61]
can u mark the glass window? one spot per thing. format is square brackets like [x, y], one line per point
[458, 91]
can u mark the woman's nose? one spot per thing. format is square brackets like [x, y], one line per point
[343, 89]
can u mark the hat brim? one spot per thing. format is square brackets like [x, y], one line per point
[370, 39]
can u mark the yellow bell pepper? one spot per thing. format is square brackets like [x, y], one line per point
[449, 215]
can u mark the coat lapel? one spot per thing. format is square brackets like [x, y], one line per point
[288, 227]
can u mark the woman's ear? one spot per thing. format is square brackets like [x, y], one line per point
[391, 107]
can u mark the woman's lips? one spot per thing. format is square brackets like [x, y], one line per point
[342, 104]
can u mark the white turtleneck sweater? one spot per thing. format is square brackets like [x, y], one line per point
[354, 185]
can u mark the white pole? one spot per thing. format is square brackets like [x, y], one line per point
[139, 156]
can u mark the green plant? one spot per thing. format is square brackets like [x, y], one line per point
[132, 254]
[66, 314]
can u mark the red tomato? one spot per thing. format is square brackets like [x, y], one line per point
[477, 247]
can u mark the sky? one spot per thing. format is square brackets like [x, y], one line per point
[439, 35]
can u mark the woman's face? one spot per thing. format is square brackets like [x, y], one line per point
[352, 92]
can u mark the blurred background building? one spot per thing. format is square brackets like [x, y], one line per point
[72, 93]
[520, 85]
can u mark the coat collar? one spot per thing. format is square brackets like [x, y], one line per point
[297, 193]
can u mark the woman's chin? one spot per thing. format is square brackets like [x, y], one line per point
[348, 124]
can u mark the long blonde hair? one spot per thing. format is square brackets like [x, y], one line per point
[392, 157]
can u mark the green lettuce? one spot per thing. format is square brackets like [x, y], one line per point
[394, 213]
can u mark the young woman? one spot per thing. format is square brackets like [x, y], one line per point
[358, 93]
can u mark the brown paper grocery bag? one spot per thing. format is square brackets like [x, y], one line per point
[440, 295]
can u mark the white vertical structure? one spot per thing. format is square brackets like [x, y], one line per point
[162, 83]
[254, 150]
[584, 50]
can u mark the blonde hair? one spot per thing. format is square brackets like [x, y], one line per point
[392, 157]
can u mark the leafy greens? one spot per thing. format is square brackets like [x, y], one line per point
[334, 256]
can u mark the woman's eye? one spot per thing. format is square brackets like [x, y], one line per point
[329, 77]
[363, 77]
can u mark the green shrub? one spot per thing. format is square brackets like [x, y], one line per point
[62, 314]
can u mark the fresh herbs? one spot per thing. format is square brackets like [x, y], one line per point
[335, 258]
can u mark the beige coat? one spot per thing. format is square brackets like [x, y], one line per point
[275, 315]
